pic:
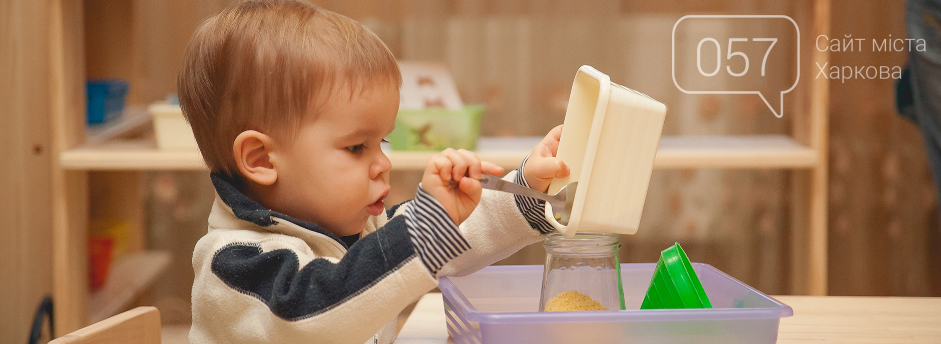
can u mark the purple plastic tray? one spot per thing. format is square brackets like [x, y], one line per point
[498, 304]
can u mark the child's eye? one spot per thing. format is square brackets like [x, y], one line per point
[356, 149]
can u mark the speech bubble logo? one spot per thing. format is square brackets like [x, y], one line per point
[737, 54]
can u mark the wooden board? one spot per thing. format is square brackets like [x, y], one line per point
[140, 325]
[816, 319]
[70, 207]
[836, 319]
[25, 149]
[756, 151]
[809, 190]
[760, 151]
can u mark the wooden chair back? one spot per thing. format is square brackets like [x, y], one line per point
[140, 325]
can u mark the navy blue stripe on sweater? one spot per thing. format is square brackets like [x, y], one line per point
[294, 292]
[247, 209]
[435, 235]
[534, 210]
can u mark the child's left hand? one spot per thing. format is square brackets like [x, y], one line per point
[453, 178]
[543, 165]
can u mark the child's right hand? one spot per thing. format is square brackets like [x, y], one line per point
[464, 168]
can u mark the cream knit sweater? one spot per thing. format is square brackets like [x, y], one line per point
[264, 277]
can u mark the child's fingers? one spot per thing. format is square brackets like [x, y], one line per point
[470, 186]
[473, 163]
[441, 166]
[459, 164]
[549, 168]
[551, 141]
[563, 170]
[490, 168]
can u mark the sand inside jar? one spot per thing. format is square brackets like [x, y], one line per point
[572, 301]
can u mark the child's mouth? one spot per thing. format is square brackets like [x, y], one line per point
[376, 208]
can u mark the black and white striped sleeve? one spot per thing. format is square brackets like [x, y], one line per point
[534, 210]
[434, 234]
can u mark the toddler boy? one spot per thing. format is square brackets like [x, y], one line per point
[289, 103]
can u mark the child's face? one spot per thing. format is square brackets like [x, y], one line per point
[334, 174]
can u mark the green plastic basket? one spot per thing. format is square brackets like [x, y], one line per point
[674, 283]
[436, 129]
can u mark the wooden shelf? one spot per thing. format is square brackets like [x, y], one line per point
[130, 155]
[134, 118]
[753, 151]
[129, 276]
[758, 151]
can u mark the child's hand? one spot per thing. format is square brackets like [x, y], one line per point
[542, 165]
[464, 168]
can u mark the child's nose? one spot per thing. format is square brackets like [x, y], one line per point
[382, 165]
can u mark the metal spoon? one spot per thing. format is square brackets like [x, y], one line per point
[561, 201]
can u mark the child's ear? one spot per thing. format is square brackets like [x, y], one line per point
[252, 151]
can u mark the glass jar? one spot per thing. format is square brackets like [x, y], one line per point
[586, 264]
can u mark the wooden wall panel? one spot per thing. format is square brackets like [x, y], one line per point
[884, 226]
[25, 149]
[108, 36]
[160, 32]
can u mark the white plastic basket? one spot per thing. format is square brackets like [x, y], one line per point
[170, 127]
[609, 141]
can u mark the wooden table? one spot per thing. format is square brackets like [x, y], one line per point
[829, 319]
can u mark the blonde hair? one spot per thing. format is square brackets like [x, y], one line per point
[268, 66]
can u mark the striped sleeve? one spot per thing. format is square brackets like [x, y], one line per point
[432, 231]
[533, 210]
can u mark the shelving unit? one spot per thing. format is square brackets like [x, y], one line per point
[804, 153]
